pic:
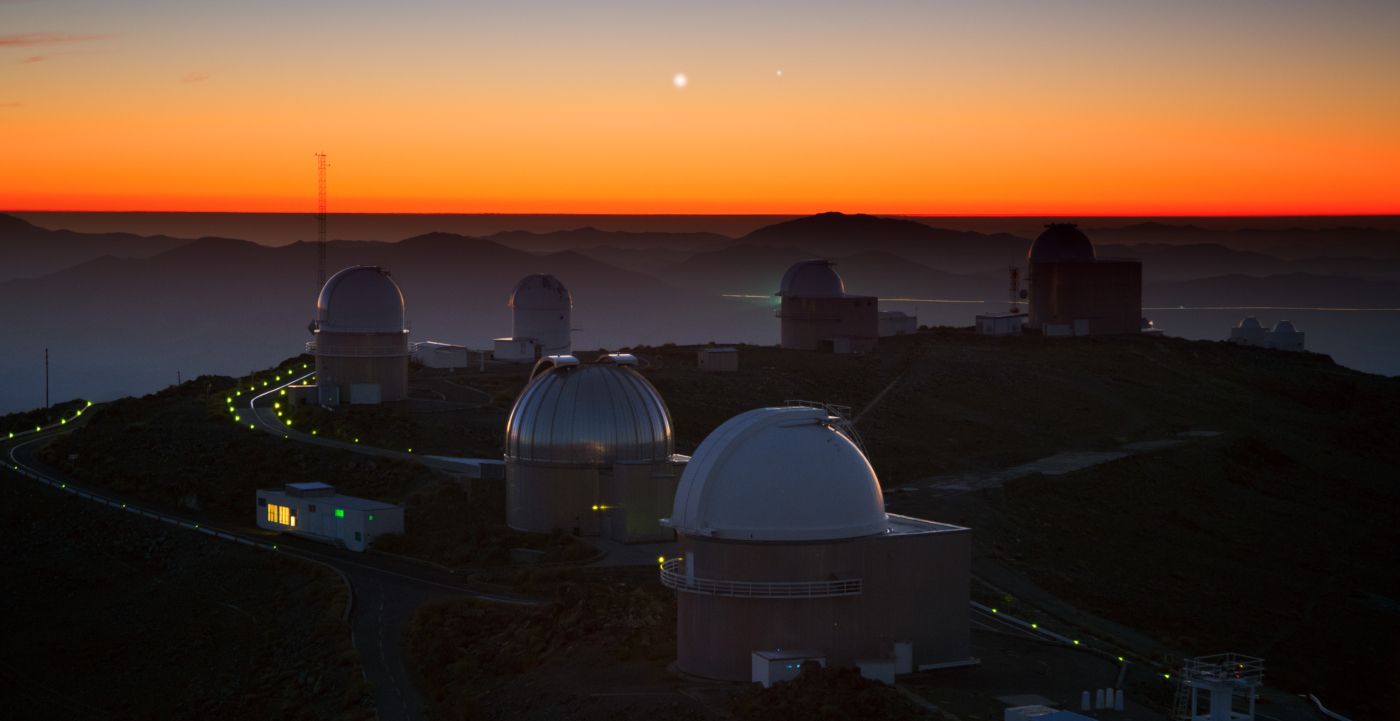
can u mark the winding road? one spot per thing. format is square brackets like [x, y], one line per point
[386, 592]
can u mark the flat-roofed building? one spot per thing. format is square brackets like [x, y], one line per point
[718, 360]
[316, 511]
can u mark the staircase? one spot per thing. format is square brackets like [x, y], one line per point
[1181, 707]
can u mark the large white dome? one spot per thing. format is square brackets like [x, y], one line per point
[779, 474]
[361, 299]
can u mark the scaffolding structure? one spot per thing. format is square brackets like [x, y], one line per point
[842, 422]
[1225, 676]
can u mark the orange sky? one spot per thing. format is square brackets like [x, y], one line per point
[552, 107]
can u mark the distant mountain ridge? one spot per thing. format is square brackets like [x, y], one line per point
[30, 251]
[838, 234]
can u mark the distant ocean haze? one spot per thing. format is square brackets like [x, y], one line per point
[124, 313]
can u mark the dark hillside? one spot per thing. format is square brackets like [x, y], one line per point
[114, 616]
[181, 449]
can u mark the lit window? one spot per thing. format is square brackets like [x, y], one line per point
[271, 513]
[371, 518]
[339, 513]
[294, 517]
[283, 515]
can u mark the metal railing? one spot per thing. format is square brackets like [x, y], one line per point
[330, 350]
[673, 577]
[1230, 667]
[842, 423]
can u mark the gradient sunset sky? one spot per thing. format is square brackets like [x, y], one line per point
[988, 107]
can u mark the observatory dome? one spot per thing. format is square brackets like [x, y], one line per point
[779, 474]
[1285, 326]
[592, 414]
[812, 279]
[361, 299]
[1250, 323]
[540, 292]
[1062, 243]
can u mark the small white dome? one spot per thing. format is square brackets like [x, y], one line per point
[1250, 323]
[1285, 326]
[360, 299]
[779, 474]
[540, 292]
[812, 279]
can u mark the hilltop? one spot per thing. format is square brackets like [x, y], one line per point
[1251, 511]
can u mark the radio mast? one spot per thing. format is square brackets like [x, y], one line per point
[321, 221]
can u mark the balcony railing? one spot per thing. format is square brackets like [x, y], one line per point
[330, 350]
[673, 577]
[1225, 667]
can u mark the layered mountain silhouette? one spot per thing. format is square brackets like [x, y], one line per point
[133, 311]
[29, 251]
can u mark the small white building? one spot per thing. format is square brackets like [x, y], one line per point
[999, 323]
[719, 360]
[1248, 332]
[440, 355]
[895, 322]
[1284, 337]
[770, 667]
[316, 511]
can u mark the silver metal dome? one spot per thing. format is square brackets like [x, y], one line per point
[360, 299]
[590, 415]
[812, 279]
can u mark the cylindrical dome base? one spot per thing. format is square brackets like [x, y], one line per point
[345, 360]
[806, 322]
[542, 498]
[914, 587]
[1106, 293]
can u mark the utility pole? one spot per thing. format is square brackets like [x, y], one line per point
[177, 378]
[321, 221]
[46, 379]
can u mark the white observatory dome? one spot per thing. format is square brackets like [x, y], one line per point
[779, 474]
[1250, 323]
[540, 292]
[812, 279]
[541, 312]
[592, 414]
[361, 299]
[1285, 326]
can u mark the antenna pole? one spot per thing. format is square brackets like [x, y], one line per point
[321, 221]
[46, 378]
[1015, 289]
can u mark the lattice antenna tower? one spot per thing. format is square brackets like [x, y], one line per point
[1015, 289]
[321, 220]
